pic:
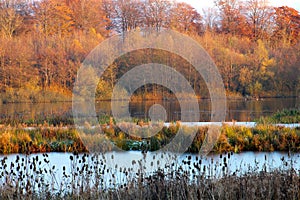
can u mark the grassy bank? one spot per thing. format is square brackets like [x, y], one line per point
[285, 116]
[40, 139]
[232, 138]
[45, 138]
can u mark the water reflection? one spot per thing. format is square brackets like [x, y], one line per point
[239, 110]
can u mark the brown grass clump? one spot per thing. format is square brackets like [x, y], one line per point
[39, 139]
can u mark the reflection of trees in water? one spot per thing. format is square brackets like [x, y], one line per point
[239, 110]
[34, 111]
[249, 110]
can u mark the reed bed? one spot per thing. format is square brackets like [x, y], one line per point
[89, 177]
[49, 138]
[43, 138]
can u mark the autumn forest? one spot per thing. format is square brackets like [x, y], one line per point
[256, 47]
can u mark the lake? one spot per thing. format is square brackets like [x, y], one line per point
[239, 110]
[111, 165]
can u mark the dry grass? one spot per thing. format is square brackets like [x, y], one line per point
[90, 178]
[46, 138]
[43, 138]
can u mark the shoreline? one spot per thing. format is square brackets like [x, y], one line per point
[165, 124]
[137, 99]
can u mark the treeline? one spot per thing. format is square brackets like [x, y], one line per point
[42, 43]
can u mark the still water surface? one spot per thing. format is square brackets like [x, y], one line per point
[240, 110]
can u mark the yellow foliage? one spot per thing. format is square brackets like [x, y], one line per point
[24, 137]
[263, 55]
[5, 138]
[77, 44]
[32, 85]
[5, 142]
[269, 62]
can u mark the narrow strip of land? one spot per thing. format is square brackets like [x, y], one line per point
[234, 123]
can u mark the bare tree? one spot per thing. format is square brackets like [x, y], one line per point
[210, 19]
[157, 13]
[10, 20]
[53, 17]
[124, 14]
[259, 17]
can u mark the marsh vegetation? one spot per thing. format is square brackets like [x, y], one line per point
[98, 176]
[44, 138]
[89, 176]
